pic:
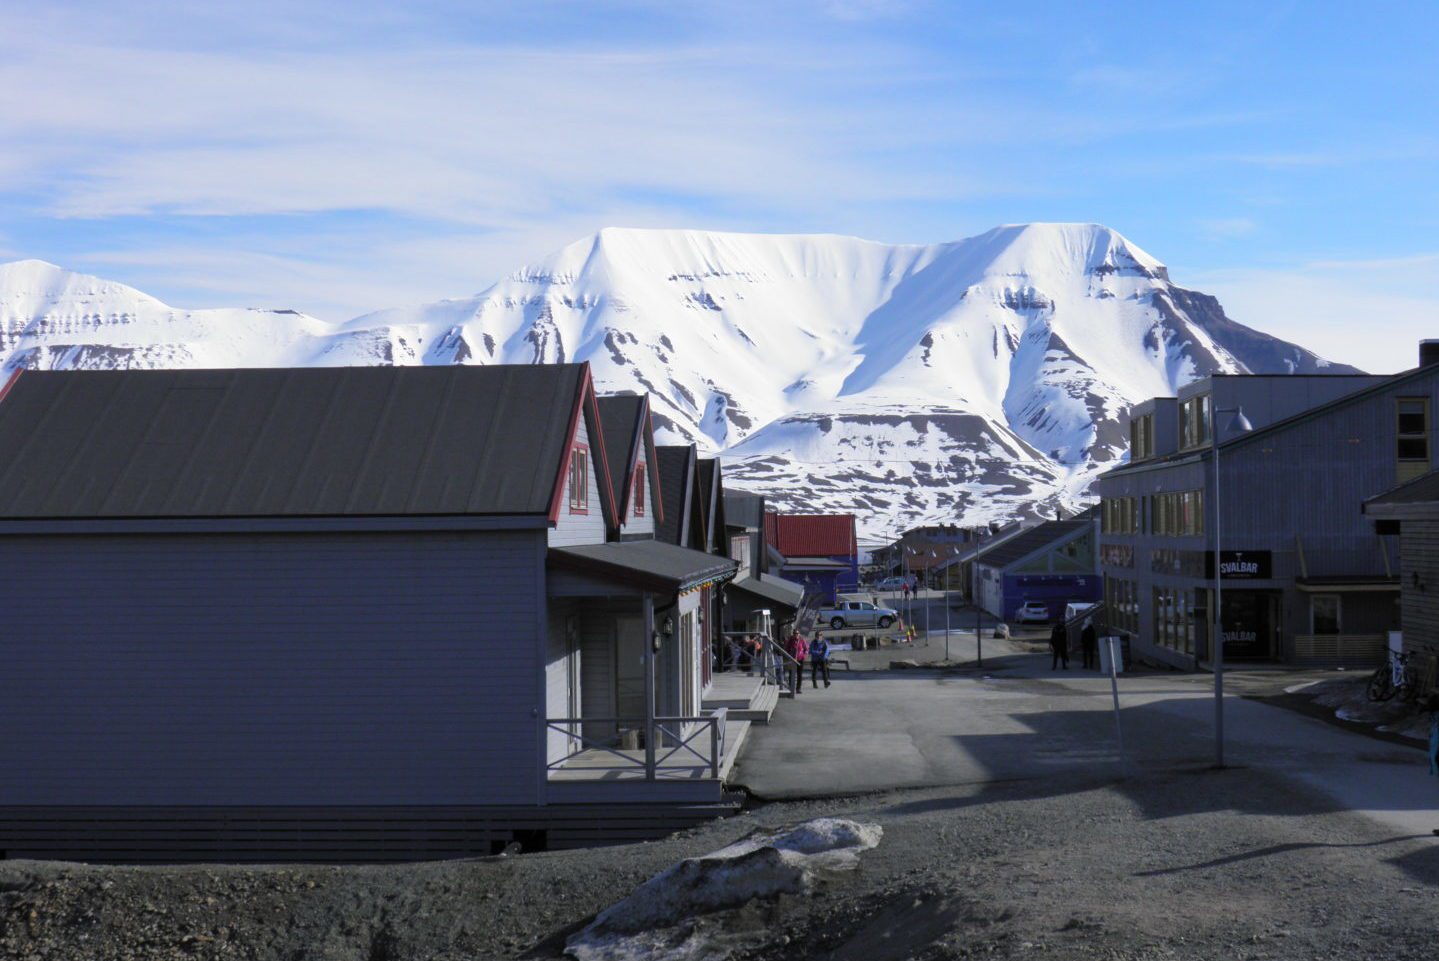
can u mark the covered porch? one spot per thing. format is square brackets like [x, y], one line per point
[626, 670]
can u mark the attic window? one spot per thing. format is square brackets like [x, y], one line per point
[640, 490]
[580, 480]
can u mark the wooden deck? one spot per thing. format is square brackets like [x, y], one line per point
[680, 771]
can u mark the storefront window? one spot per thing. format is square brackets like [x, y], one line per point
[1324, 614]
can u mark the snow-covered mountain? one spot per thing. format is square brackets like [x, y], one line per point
[975, 380]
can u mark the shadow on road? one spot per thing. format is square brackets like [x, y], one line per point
[1278, 849]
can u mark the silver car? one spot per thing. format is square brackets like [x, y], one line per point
[857, 614]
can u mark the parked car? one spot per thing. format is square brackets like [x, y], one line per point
[891, 584]
[1032, 612]
[857, 614]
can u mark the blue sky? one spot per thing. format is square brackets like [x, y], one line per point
[338, 158]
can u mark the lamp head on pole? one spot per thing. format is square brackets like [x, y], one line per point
[1238, 424]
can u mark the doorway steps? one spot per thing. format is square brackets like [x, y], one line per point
[745, 696]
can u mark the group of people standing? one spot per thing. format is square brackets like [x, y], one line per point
[1059, 646]
[816, 652]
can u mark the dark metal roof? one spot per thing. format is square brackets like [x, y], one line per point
[1420, 490]
[744, 509]
[349, 441]
[1020, 546]
[647, 563]
[676, 487]
[711, 499]
[776, 590]
[620, 416]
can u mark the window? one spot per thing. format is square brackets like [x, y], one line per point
[1194, 421]
[1325, 614]
[739, 551]
[1119, 515]
[1121, 604]
[640, 490]
[1116, 555]
[1174, 619]
[1141, 437]
[1412, 433]
[1178, 514]
[580, 480]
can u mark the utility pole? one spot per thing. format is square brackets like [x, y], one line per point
[974, 597]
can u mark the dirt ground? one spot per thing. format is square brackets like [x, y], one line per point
[1177, 861]
[1201, 864]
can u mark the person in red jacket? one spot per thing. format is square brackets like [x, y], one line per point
[798, 648]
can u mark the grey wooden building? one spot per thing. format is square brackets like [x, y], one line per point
[1411, 511]
[1307, 580]
[354, 613]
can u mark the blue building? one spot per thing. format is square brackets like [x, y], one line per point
[1054, 562]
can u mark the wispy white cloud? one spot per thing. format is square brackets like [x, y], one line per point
[1223, 227]
[1369, 313]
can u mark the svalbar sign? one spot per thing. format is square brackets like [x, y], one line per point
[1240, 565]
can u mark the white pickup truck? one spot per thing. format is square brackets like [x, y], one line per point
[856, 614]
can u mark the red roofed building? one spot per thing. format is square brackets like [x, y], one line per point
[820, 551]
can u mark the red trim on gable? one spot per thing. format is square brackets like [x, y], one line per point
[652, 463]
[11, 382]
[557, 494]
[599, 466]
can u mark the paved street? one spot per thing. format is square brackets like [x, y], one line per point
[1017, 720]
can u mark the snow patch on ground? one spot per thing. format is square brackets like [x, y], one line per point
[657, 920]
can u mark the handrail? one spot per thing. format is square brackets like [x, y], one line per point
[669, 727]
[770, 644]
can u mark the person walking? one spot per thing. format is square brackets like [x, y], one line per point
[797, 648]
[1089, 644]
[818, 659]
[1059, 646]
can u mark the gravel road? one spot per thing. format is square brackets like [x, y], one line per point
[1206, 864]
[1176, 862]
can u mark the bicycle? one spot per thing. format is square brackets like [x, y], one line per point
[1394, 678]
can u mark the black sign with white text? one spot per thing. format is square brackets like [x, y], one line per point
[1240, 565]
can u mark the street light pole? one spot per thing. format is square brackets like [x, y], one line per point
[974, 598]
[1239, 424]
[947, 574]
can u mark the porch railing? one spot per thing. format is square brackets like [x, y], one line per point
[680, 743]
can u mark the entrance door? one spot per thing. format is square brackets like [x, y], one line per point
[630, 670]
[1248, 625]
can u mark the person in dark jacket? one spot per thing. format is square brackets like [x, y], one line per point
[1089, 644]
[818, 660]
[1059, 645]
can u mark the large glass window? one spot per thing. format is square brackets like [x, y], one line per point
[1194, 422]
[1121, 602]
[1325, 614]
[1119, 515]
[1412, 437]
[1141, 437]
[1177, 514]
[1174, 619]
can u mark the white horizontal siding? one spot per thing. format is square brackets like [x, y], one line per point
[588, 528]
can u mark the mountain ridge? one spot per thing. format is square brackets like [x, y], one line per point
[974, 380]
